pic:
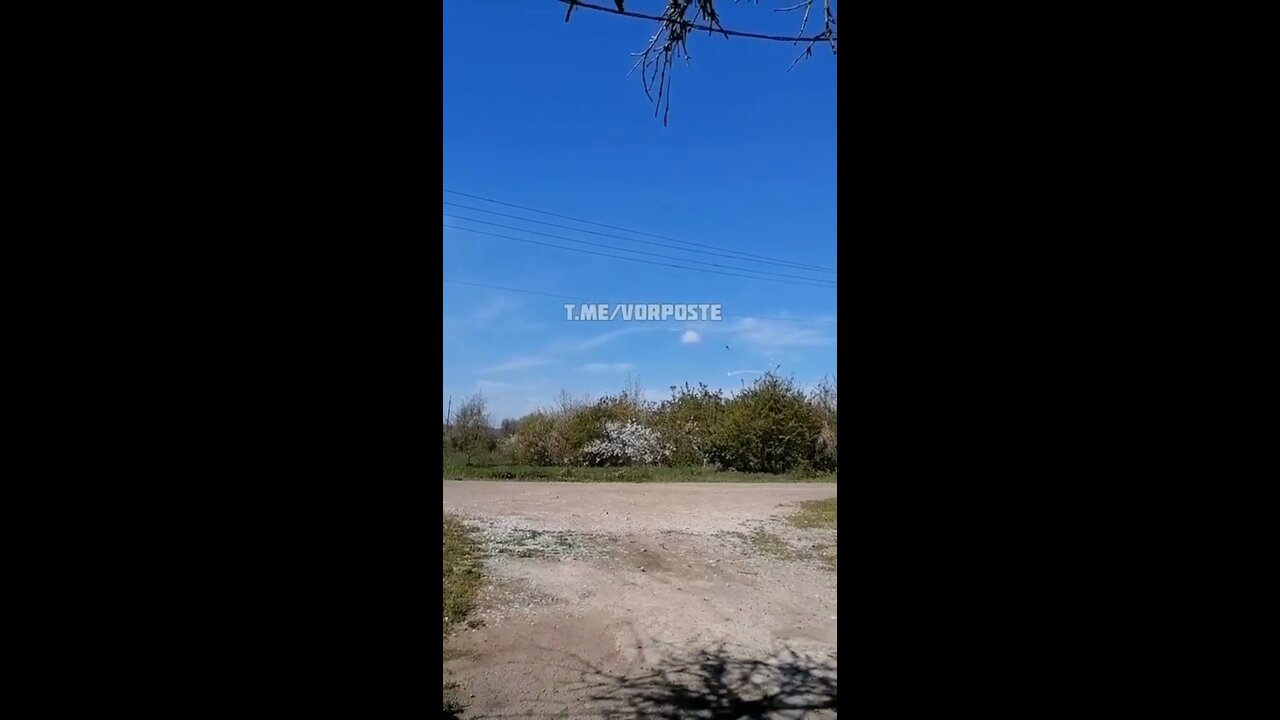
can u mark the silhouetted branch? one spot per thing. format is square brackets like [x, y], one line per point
[670, 40]
[718, 682]
[691, 24]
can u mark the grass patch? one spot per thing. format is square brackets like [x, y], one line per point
[766, 543]
[462, 578]
[770, 544]
[462, 571]
[815, 514]
[534, 473]
[828, 558]
[818, 514]
[452, 708]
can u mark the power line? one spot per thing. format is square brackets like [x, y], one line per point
[497, 287]
[637, 252]
[815, 268]
[627, 239]
[691, 25]
[647, 262]
[807, 281]
[574, 297]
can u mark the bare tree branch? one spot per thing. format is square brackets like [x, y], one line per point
[670, 41]
[692, 25]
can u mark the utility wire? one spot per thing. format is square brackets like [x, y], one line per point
[647, 262]
[572, 297]
[637, 252]
[691, 25]
[627, 239]
[638, 232]
[497, 287]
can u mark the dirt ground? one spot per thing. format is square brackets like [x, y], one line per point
[626, 600]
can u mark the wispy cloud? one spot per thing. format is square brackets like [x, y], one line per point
[496, 307]
[767, 335]
[607, 367]
[690, 337]
[745, 372]
[606, 338]
[561, 347]
[773, 335]
[518, 363]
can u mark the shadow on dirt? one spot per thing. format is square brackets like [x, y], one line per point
[716, 684]
[719, 682]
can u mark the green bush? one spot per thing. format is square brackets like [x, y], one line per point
[686, 422]
[769, 427]
[557, 437]
[534, 440]
[823, 402]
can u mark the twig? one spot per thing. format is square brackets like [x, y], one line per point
[807, 5]
[688, 24]
[671, 40]
[828, 29]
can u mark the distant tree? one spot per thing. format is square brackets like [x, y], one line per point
[471, 433]
[509, 427]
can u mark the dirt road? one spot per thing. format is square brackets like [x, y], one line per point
[646, 600]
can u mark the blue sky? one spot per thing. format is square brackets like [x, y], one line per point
[540, 113]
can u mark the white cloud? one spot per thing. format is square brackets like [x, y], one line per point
[745, 372]
[518, 363]
[690, 337]
[607, 367]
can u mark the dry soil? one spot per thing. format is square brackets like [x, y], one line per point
[630, 600]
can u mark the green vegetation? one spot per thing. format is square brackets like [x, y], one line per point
[763, 542]
[818, 514]
[462, 571]
[770, 544]
[462, 578]
[469, 432]
[770, 431]
[770, 427]
[815, 514]
[452, 708]
[456, 468]
[828, 558]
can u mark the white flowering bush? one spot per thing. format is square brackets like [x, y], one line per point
[625, 443]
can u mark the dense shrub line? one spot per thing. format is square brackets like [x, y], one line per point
[771, 427]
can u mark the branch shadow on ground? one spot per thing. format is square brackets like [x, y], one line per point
[716, 683]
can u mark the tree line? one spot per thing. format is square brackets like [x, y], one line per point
[772, 426]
